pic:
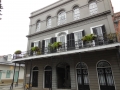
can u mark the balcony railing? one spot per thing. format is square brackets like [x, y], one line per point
[98, 41]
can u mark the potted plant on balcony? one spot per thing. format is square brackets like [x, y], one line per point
[35, 50]
[111, 37]
[56, 45]
[17, 53]
[89, 39]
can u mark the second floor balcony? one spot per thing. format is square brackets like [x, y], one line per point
[87, 43]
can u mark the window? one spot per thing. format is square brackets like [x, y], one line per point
[93, 8]
[38, 25]
[47, 42]
[36, 44]
[76, 12]
[8, 74]
[100, 32]
[82, 76]
[49, 22]
[63, 76]
[48, 77]
[61, 18]
[35, 77]
[78, 36]
[105, 76]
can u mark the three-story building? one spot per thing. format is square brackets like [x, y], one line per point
[72, 45]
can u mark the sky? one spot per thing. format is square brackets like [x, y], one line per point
[14, 25]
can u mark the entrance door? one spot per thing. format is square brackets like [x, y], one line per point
[16, 76]
[35, 77]
[82, 76]
[105, 76]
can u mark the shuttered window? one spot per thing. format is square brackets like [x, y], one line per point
[8, 74]
[49, 22]
[61, 18]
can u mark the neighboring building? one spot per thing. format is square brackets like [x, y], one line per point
[77, 63]
[7, 70]
[117, 24]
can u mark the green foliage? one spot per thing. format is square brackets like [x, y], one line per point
[111, 36]
[89, 37]
[55, 45]
[35, 49]
[17, 52]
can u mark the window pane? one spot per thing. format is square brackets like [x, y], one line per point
[8, 74]
[61, 18]
[93, 8]
[76, 13]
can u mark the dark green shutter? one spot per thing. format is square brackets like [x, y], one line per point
[52, 40]
[104, 32]
[31, 52]
[39, 45]
[43, 46]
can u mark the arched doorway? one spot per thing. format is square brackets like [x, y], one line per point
[82, 76]
[105, 76]
[48, 77]
[63, 76]
[35, 77]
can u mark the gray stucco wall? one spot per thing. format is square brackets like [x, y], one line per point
[90, 58]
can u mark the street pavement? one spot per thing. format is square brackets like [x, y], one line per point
[7, 87]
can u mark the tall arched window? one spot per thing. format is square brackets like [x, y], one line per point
[105, 76]
[61, 17]
[76, 13]
[35, 77]
[48, 77]
[82, 76]
[93, 8]
[49, 22]
[38, 25]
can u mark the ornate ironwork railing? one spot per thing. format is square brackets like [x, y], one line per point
[74, 45]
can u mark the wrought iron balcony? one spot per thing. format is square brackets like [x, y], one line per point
[75, 45]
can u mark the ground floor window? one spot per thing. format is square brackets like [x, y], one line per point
[35, 77]
[105, 76]
[48, 77]
[82, 76]
[63, 76]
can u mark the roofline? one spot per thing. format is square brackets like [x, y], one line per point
[49, 8]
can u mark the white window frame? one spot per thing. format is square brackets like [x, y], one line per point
[76, 16]
[62, 21]
[74, 37]
[46, 45]
[36, 42]
[93, 9]
[49, 22]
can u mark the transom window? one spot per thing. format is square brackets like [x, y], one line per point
[49, 22]
[76, 13]
[38, 25]
[61, 18]
[105, 76]
[93, 8]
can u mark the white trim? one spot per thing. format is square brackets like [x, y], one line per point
[56, 34]
[78, 31]
[71, 52]
[47, 38]
[91, 28]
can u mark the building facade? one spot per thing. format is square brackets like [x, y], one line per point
[7, 71]
[72, 45]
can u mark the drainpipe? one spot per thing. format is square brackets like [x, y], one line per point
[11, 87]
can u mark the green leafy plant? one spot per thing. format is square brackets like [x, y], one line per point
[17, 52]
[111, 37]
[89, 37]
[56, 45]
[36, 49]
